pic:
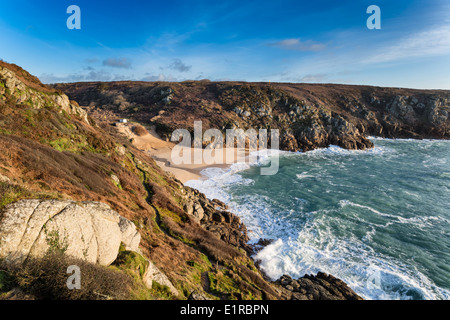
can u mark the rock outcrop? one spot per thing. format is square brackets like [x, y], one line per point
[154, 274]
[33, 94]
[196, 295]
[88, 230]
[212, 215]
[319, 287]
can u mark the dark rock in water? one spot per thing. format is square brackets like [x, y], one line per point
[264, 242]
[319, 287]
[261, 244]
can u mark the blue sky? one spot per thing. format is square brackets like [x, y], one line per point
[317, 41]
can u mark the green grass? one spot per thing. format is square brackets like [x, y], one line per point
[62, 144]
[221, 283]
[20, 92]
[135, 265]
[75, 144]
[118, 185]
[206, 260]
[29, 116]
[131, 261]
[10, 193]
[173, 216]
[228, 282]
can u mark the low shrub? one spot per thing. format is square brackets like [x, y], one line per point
[140, 130]
[46, 278]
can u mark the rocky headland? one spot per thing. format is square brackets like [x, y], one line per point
[309, 116]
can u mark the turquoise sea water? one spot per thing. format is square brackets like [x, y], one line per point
[377, 219]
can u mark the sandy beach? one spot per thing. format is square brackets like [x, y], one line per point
[161, 151]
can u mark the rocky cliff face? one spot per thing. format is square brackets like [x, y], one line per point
[308, 116]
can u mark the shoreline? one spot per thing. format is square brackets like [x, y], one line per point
[161, 151]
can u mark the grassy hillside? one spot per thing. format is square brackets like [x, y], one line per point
[47, 152]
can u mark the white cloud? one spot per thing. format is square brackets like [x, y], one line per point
[314, 77]
[92, 75]
[434, 42]
[161, 77]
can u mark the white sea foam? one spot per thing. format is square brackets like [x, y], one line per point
[304, 175]
[315, 246]
[374, 138]
[217, 179]
[306, 256]
[336, 150]
[416, 221]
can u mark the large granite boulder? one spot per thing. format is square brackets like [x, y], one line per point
[89, 230]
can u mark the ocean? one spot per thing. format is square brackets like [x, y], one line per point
[377, 219]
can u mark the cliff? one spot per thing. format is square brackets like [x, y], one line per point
[308, 116]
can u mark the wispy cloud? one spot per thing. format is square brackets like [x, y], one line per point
[180, 66]
[298, 77]
[92, 75]
[123, 63]
[298, 45]
[161, 77]
[434, 42]
[314, 77]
